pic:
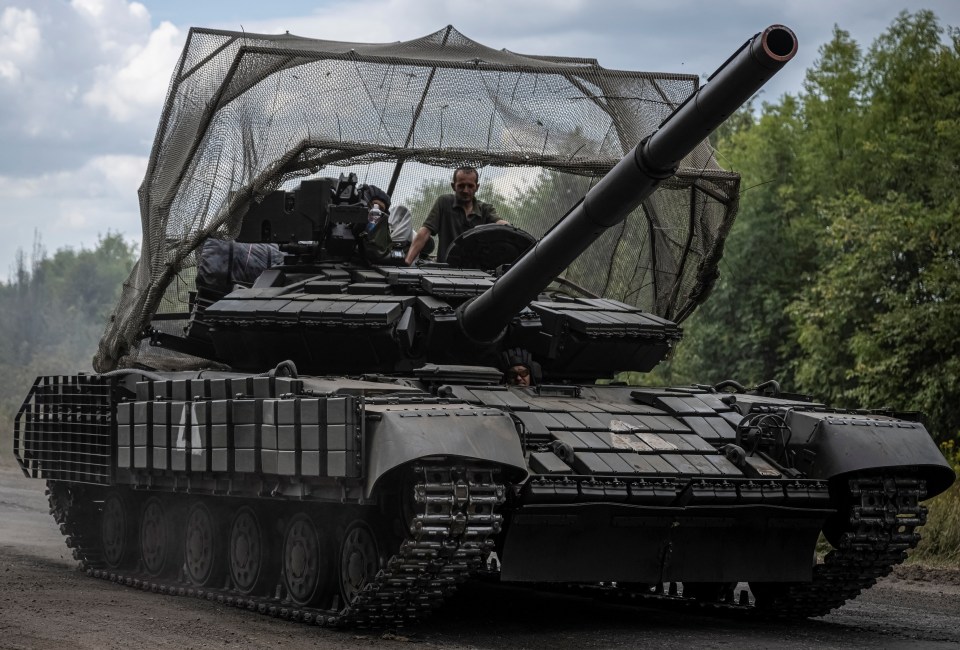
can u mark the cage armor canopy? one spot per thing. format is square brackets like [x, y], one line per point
[246, 114]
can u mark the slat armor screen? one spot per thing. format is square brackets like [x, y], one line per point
[64, 430]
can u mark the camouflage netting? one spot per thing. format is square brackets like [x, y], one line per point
[247, 113]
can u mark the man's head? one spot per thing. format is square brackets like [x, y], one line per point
[518, 375]
[519, 368]
[466, 180]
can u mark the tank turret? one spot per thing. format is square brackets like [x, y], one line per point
[332, 313]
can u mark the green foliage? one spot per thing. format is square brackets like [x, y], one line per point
[912, 134]
[550, 193]
[841, 276]
[940, 536]
[52, 313]
[879, 325]
[799, 150]
[951, 451]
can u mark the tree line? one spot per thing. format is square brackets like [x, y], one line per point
[841, 277]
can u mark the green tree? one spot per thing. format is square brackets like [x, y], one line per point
[913, 122]
[861, 124]
[831, 109]
[548, 198]
[423, 198]
[877, 325]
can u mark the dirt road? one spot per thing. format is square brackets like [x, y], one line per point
[46, 603]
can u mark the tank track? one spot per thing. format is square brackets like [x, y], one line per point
[449, 537]
[444, 548]
[883, 514]
[75, 516]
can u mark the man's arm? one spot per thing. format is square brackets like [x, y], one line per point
[419, 241]
[490, 215]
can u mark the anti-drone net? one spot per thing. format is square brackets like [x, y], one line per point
[246, 114]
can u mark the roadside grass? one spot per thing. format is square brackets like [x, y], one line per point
[940, 536]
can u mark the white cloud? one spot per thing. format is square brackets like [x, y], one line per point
[71, 218]
[71, 209]
[93, 195]
[121, 173]
[92, 7]
[76, 127]
[19, 41]
[109, 176]
[92, 85]
[134, 88]
[9, 71]
[18, 188]
[135, 59]
[117, 24]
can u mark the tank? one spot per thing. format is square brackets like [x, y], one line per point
[357, 437]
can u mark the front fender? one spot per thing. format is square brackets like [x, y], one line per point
[399, 434]
[843, 443]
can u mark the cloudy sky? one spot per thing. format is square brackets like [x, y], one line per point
[82, 82]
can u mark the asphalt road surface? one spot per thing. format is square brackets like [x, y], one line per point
[45, 603]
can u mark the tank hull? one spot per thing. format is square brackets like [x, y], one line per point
[369, 503]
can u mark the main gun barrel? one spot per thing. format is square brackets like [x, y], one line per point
[631, 180]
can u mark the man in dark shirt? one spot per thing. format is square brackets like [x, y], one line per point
[452, 214]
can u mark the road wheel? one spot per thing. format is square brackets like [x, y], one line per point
[203, 546]
[249, 554]
[306, 561]
[159, 547]
[359, 560]
[118, 531]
